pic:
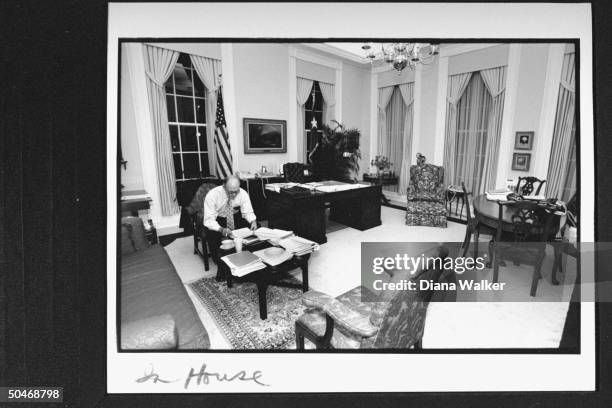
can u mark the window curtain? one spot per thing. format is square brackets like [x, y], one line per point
[159, 64]
[407, 92]
[384, 96]
[209, 70]
[393, 141]
[304, 87]
[495, 81]
[562, 134]
[456, 87]
[329, 101]
[471, 143]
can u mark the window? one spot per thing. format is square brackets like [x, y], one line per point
[186, 100]
[472, 120]
[313, 108]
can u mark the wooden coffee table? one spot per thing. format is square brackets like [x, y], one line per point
[270, 275]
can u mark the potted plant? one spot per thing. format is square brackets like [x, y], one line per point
[336, 155]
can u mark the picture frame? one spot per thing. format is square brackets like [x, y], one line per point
[524, 140]
[521, 161]
[264, 135]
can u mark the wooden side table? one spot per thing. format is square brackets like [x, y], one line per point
[381, 180]
[455, 193]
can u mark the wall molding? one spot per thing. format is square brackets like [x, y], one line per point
[338, 52]
[506, 142]
[441, 106]
[373, 115]
[292, 147]
[456, 49]
[544, 135]
[416, 115]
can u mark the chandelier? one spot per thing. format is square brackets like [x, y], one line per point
[402, 55]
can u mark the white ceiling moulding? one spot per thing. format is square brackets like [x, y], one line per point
[448, 50]
[338, 52]
[315, 59]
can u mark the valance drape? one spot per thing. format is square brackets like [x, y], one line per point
[456, 87]
[558, 167]
[329, 98]
[384, 96]
[304, 87]
[159, 64]
[495, 81]
[407, 92]
[209, 71]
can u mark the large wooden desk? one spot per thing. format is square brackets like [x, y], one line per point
[304, 214]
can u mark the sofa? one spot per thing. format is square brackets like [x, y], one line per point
[156, 310]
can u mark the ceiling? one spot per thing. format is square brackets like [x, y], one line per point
[353, 48]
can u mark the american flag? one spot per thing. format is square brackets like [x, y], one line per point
[222, 144]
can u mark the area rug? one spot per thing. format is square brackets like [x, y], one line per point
[236, 312]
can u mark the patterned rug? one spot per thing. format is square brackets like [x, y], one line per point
[236, 311]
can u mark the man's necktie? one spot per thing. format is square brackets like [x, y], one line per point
[229, 215]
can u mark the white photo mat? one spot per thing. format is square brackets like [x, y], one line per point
[350, 372]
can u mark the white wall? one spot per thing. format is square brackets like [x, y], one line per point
[356, 106]
[261, 91]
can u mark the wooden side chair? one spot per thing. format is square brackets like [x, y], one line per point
[473, 227]
[527, 185]
[525, 242]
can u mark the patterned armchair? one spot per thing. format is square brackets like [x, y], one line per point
[358, 319]
[426, 195]
[196, 212]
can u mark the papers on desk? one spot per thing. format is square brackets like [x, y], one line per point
[540, 197]
[339, 187]
[264, 233]
[243, 263]
[498, 195]
[298, 245]
[277, 186]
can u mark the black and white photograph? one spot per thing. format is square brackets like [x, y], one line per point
[411, 143]
[306, 200]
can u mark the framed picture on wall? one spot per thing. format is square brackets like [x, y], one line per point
[521, 161]
[523, 140]
[264, 135]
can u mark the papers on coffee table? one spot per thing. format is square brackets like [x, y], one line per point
[243, 263]
[273, 260]
[298, 245]
[264, 233]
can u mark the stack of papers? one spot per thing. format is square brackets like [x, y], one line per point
[243, 263]
[298, 245]
[277, 186]
[273, 260]
[339, 187]
[498, 195]
[264, 233]
[242, 233]
[535, 197]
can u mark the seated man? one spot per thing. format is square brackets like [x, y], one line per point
[226, 208]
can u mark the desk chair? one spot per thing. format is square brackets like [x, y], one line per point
[525, 185]
[353, 321]
[196, 212]
[294, 172]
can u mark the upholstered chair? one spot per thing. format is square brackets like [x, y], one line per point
[294, 172]
[426, 205]
[361, 319]
[196, 212]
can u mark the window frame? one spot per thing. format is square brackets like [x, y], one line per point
[195, 124]
[306, 131]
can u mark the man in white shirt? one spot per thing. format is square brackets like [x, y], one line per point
[226, 208]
